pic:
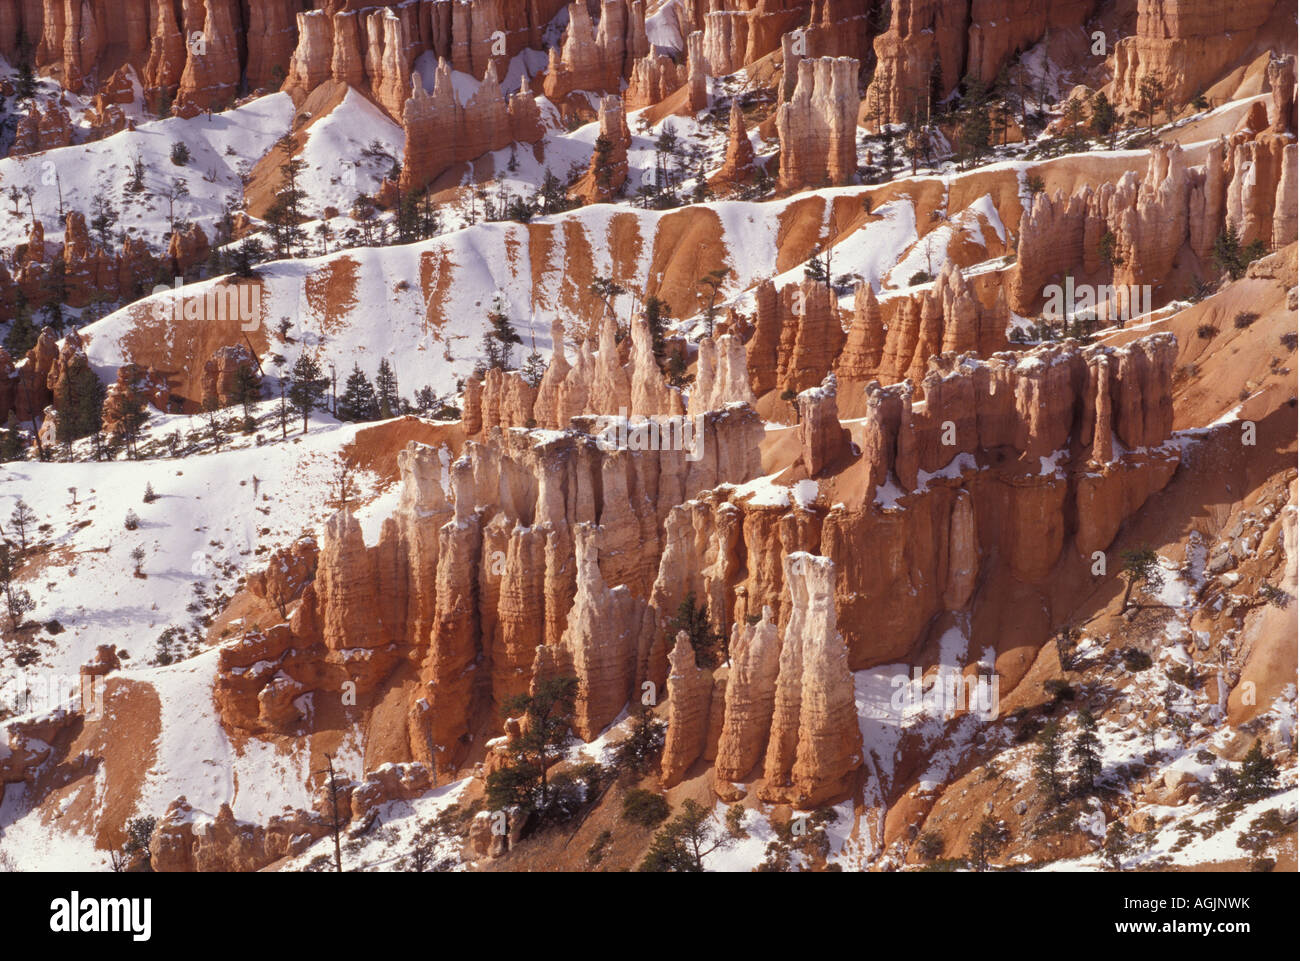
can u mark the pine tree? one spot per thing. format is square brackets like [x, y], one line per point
[552, 195]
[25, 85]
[1149, 100]
[22, 520]
[1257, 777]
[712, 282]
[547, 712]
[358, 402]
[1141, 566]
[18, 604]
[986, 840]
[1086, 753]
[499, 337]
[535, 366]
[408, 219]
[286, 214]
[1229, 255]
[132, 415]
[246, 257]
[1115, 846]
[684, 842]
[601, 163]
[708, 644]
[247, 391]
[1047, 763]
[656, 318]
[306, 387]
[11, 440]
[639, 750]
[79, 401]
[386, 393]
[1105, 119]
[22, 334]
[103, 218]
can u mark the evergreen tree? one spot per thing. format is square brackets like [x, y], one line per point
[358, 402]
[246, 257]
[708, 644]
[79, 401]
[306, 387]
[1115, 846]
[986, 840]
[1047, 763]
[639, 750]
[976, 131]
[712, 282]
[552, 195]
[22, 334]
[408, 219]
[1086, 753]
[18, 604]
[25, 85]
[1141, 566]
[499, 337]
[386, 393]
[546, 715]
[818, 267]
[11, 440]
[23, 521]
[608, 290]
[684, 842]
[286, 214]
[1105, 119]
[56, 284]
[656, 318]
[535, 366]
[132, 415]
[1256, 779]
[601, 163]
[247, 391]
[1229, 255]
[103, 217]
[1149, 100]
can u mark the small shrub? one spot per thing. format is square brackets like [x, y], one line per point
[132, 521]
[920, 277]
[180, 153]
[1058, 690]
[645, 807]
[596, 852]
[54, 627]
[736, 821]
[1135, 660]
[149, 495]
[1245, 319]
[1289, 340]
[1275, 596]
[929, 846]
[1206, 331]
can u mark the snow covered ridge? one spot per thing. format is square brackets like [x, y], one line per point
[422, 306]
[220, 145]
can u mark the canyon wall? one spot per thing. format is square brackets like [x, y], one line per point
[930, 45]
[442, 133]
[1151, 221]
[1184, 46]
[507, 581]
[570, 553]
